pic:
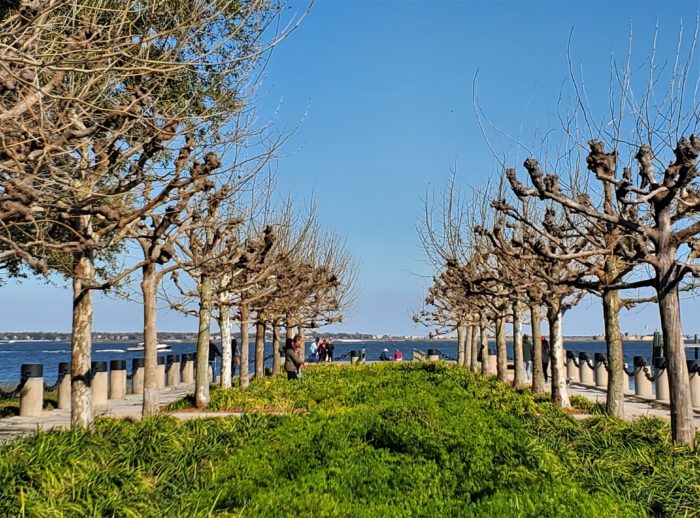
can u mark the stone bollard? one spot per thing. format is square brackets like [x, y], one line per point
[584, 369]
[187, 368]
[433, 355]
[642, 386]
[694, 374]
[31, 395]
[601, 373]
[173, 370]
[572, 371]
[117, 379]
[493, 362]
[99, 384]
[661, 375]
[160, 373]
[137, 375]
[354, 357]
[64, 385]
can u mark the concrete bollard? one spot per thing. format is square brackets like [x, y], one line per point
[187, 367]
[137, 375]
[160, 373]
[31, 395]
[64, 385]
[117, 379]
[642, 386]
[172, 370]
[572, 371]
[661, 375]
[601, 373]
[354, 357]
[493, 361]
[433, 355]
[99, 384]
[585, 372]
[694, 374]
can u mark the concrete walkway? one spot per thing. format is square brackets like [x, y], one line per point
[635, 406]
[130, 407]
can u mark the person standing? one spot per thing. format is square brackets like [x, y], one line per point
[236, 356]
[545, 358]
[292, 362]
[213, 354]
[528, 355]
[322, 351]
[330, 347]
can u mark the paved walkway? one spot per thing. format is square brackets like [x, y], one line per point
[119, 408]
[635, 406]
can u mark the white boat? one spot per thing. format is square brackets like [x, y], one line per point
[139, 347]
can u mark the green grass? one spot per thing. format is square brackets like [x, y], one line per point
[381, 440]
[10, 407]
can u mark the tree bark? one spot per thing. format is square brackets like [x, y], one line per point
[259, 349]
[475, 348]
[560, 392]
[467, 345]
[276, 334]
[615, 403]
[501, 350]
[484, 346]
[243, 379]
[226, 350]
[302, 346]
[201, 378]
[461, 343]
[682, 427]
[151, 395]
[518, 364]
[537, 371]
[82, 414]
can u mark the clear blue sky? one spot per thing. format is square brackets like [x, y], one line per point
[385, 93]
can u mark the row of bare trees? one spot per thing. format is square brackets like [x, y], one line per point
[128, 146]
[626, 232]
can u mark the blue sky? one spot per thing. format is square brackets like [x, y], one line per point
[382, 94]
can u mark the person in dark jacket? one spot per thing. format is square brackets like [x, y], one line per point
[213, 354]
[235, 356]
[292, 362]
[545, 358]
[528, 355]
[384, 357]
[330, 347]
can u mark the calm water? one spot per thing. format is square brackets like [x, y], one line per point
[51, 353]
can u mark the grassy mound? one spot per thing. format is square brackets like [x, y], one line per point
[381, 440]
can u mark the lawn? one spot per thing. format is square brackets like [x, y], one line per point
[382, 440]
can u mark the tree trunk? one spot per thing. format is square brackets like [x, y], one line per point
[302, 346]
[243, 379]
[259, 349]
[484, 347]
[501, 350]
[461, 343]
[201, 378]
[475, 348]
[467, 346]
[615, 404]
[518, 364]
[151, 394]
[276, 334]
[226, 350]
[537, 371]
[682, 427]
[560, 392]
[81, 411]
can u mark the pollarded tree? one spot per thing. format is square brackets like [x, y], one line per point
[95, 97]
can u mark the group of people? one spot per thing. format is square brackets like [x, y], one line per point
[384, 357]
[321, 350]
[529, 356]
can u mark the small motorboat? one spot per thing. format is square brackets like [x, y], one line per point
[159, 347]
